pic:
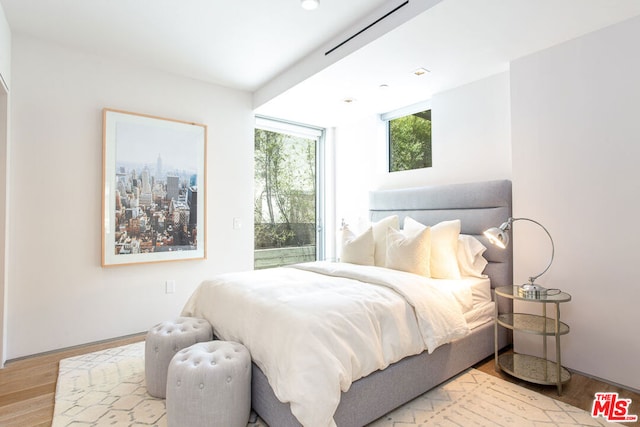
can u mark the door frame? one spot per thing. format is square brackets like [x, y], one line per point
[4, 197]
[311, 132]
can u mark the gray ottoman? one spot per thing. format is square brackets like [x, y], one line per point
[163, 341]
[209, 384]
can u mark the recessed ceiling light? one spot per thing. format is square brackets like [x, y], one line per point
[349, 100]
[310, 4]
[420, 71]
[383, 86]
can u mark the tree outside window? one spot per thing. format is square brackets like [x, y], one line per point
[285, 198]
[410, 142]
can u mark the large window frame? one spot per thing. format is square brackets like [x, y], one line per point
[414, 109]
[319, 135]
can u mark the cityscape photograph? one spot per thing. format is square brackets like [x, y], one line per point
[156, 190]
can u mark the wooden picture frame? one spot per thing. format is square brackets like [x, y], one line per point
[153, 192]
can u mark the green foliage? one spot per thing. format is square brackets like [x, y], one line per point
[284, 187]
[410, 142]
[271, 236]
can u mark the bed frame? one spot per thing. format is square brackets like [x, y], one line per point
[479, 206]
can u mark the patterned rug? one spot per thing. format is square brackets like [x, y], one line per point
[106, 388]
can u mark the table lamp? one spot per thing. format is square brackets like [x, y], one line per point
[499, 236]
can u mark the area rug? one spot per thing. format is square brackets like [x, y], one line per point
[107, 388]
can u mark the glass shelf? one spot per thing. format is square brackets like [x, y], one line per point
[533, 369]
[512, 292]
[533, 324]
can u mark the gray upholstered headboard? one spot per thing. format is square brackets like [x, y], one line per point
[478, 205]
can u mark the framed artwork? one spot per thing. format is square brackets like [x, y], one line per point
[153, 192]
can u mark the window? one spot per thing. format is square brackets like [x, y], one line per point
[409, 138]
[287, 194]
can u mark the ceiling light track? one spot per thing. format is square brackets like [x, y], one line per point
[366, 28]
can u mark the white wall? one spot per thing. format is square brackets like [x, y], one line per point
[357, 167]
[59, 295]
[470, 142]
[575, 169]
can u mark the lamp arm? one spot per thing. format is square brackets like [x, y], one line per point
[553, 249]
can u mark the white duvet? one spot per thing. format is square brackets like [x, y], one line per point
[315, 328]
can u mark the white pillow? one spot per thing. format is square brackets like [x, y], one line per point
[357, 249]
[380, 237]
[444, 250]
[414, 227]
[444, 247]
[470, 259]
[409, 251]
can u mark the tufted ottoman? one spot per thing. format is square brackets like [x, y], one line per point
[209, 384]
[163, 341]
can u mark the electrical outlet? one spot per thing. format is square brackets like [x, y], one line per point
[170, 286]
[237, 223]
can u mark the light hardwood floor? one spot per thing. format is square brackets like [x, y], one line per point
[27, 386]
[579, 391]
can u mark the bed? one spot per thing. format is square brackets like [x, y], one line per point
[477, 206]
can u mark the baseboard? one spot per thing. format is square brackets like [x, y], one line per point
[75, 347]
[604, 380]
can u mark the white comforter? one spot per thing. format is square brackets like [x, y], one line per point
[315, 328]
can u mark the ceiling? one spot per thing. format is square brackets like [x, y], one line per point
[240, 44]
[459, 41]
[246, 44]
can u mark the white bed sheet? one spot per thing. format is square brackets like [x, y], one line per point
[480, 314]
[480, 290]
[468, 291]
